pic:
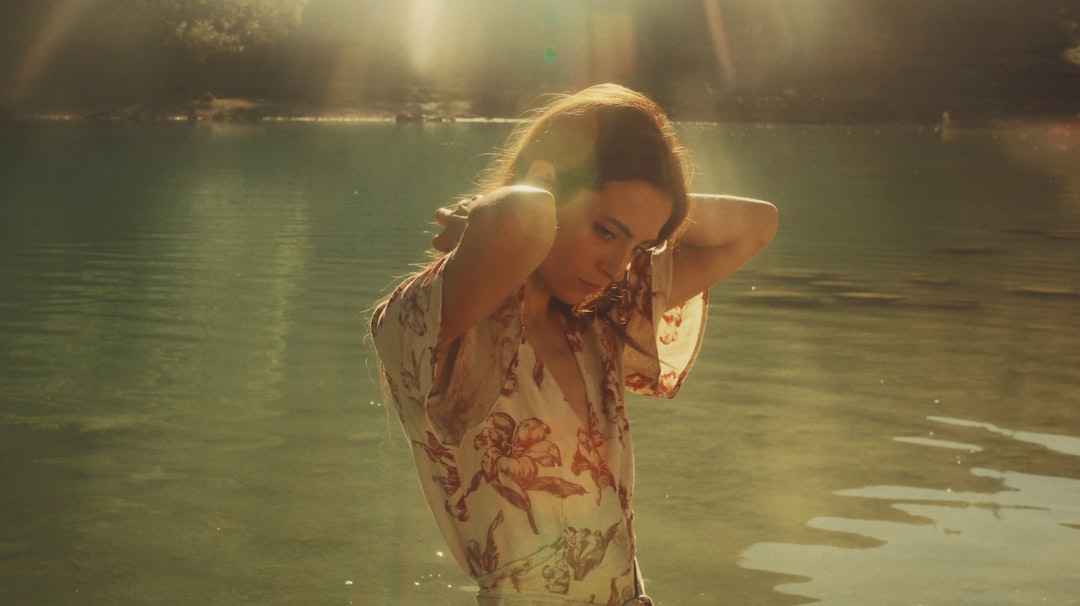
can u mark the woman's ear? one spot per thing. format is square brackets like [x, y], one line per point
[541, 173]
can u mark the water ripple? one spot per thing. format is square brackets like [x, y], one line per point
[1015, 545]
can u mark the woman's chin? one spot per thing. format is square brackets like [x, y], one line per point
[572, 299]
[581, 293]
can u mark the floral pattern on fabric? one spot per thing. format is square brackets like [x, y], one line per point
[589, 458]
[444, 458]
[533, 499]
[512, 457]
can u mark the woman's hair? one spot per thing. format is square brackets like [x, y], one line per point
[601, 134]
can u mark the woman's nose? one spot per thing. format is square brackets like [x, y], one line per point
[615, 263]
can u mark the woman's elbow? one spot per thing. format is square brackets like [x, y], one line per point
[527, 214]
[768, 223]
[761, 227]
[538, 213]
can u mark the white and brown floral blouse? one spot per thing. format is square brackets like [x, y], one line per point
[533, 500]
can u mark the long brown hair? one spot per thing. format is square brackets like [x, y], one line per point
[601, 134]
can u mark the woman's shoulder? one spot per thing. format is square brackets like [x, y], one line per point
[416, 294]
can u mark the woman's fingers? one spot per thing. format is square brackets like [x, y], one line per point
[453, 225]
[453, 221]
[442, 216]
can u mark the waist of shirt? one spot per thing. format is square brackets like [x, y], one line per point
[517, 599]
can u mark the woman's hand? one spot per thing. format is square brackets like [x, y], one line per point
[453, 220]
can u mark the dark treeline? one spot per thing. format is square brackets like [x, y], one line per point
[804, 60]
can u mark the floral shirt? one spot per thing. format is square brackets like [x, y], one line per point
[533, 500]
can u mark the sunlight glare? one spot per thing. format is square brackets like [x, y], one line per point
[50, 37]
[421, 35]
[721, 48]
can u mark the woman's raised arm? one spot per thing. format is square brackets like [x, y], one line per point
[508, 233]
[722, 233]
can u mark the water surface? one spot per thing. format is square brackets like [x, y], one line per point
[885, 410]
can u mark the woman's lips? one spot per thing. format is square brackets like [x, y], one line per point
[589, 286]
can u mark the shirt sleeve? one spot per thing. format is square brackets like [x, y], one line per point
[670, 338]
[405, 329]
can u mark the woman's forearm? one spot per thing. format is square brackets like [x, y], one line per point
[722, 234]
[718, 221]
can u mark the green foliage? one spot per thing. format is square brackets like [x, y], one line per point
[210, 27]
[1072, 29]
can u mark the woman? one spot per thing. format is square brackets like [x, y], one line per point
[581, 268]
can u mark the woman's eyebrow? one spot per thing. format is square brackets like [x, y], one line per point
[626, 230]
[622, 227]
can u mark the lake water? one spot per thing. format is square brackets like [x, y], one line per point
[886, 410]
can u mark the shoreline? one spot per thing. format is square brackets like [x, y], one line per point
[249, 110]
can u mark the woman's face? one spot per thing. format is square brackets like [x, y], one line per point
[599, 233]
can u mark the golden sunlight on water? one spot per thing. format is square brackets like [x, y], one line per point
[952, 540]
[884, 410]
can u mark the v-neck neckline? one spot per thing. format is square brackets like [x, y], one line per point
[584, 417]
[579, 362]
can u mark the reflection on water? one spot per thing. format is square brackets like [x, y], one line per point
[1062, 444]
[1016, 544]
[189, 412]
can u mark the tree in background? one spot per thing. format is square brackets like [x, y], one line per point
[211, 27]
[1072, 30]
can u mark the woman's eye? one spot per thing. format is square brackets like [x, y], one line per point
[604, 232]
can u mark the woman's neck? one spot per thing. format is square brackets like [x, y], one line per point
[541, 307]
[537, 302]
